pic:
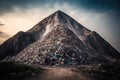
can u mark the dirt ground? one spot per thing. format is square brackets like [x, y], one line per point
[60, 74]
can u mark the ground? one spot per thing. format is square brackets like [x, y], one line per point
[14, 71]
[61, 74]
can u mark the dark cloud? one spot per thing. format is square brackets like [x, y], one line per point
[8, 5]
[1, 24]
[3, 35]
[98, 5]
[95, 5]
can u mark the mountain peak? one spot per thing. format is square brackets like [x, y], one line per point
[56, 19]
[61, 15]
[59, 11]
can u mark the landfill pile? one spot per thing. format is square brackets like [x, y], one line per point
[59, 40]
[63, 49]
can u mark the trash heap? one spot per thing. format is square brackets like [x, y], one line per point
[60, 47]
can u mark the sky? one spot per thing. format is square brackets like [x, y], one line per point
[102, 16]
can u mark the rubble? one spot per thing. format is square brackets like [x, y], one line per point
[63, 41]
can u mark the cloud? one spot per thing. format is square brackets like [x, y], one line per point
[98, 5]
[1, 24]
[8, 5]
[94, 5]
[3, 35]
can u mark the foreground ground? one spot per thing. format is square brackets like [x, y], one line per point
[61, 74]
[13, 71]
